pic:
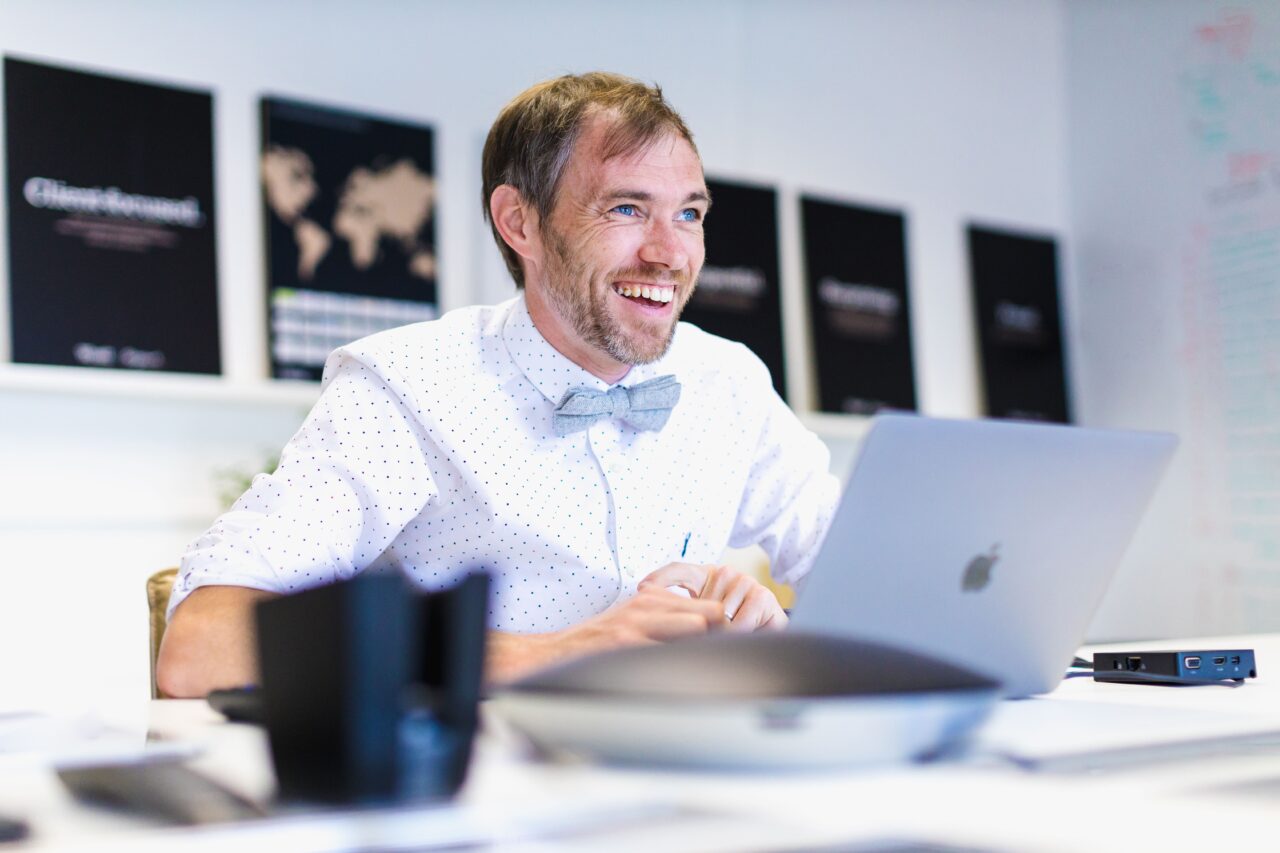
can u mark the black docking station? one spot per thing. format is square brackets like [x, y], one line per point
[1182, 667]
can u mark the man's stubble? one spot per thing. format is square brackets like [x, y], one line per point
[573, 295]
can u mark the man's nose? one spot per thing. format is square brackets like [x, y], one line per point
[664, 246]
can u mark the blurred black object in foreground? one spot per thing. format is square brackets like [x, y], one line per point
[369, 689]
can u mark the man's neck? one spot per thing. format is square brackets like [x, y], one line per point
[590, 359]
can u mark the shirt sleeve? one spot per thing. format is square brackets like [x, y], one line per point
[791, 494]
[348, 482]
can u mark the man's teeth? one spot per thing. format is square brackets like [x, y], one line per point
[657, 294]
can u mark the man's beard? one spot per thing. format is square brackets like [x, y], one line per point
[570, 291]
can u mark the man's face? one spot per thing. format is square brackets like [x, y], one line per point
[623, 248]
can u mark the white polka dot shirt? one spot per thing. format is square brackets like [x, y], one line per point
[431, 451]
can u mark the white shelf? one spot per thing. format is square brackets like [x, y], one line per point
[184, 387]
[82, 381]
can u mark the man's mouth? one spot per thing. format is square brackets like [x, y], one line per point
[646, 294]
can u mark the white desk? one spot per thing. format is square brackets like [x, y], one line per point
[1225, 794]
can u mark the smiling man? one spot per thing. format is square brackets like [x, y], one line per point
[589, 451]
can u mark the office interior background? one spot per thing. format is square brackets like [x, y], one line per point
[1143, 134]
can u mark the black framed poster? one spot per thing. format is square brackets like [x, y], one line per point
[112, 249]
[349, 207]
[738, 294]
[859, 307]
[1016, 309]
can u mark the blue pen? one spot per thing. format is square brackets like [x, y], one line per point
[685, 547]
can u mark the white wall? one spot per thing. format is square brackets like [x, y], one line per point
[948, 109]
[1174, 110]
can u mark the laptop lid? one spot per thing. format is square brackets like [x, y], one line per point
[986, 543]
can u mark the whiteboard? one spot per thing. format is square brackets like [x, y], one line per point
[1174, 117]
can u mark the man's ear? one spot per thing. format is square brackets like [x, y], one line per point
[517, 222]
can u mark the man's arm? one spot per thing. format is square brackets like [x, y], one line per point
[210, 642]
[791, 494]
[337, 503]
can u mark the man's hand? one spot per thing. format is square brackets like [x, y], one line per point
[748, 604]
[655, 614]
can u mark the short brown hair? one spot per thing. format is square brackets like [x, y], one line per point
[532, 138]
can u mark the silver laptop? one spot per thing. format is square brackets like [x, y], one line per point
[986, 543]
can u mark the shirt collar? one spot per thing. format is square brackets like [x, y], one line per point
[551, 372]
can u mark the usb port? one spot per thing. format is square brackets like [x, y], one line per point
[1235, 659]
[1219, 661]
[1191, 662]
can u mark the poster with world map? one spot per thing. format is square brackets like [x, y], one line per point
[349, 206]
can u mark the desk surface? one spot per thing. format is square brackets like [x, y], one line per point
[1088, 767]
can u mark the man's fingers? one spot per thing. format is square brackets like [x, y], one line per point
[701, 580]
[655, 614]
[759, 608]
[747, 605]
[735, 600]
[720, 582]
[750, 607]
[777, 621]
[659, 600]
[687, 575]
[671, 626]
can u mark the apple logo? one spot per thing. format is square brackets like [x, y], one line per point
[978, 573]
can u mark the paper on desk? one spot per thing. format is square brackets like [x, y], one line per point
[1044, 733]
[63, 740]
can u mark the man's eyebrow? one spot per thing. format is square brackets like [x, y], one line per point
[698, 195]
[642, 195]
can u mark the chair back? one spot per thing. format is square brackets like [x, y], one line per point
[159, 585]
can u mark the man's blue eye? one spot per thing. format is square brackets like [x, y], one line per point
[689, 215]
[625, 209]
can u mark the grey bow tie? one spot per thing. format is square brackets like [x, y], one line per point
[645, 405]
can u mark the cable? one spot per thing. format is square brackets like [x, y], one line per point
[1128, 677]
